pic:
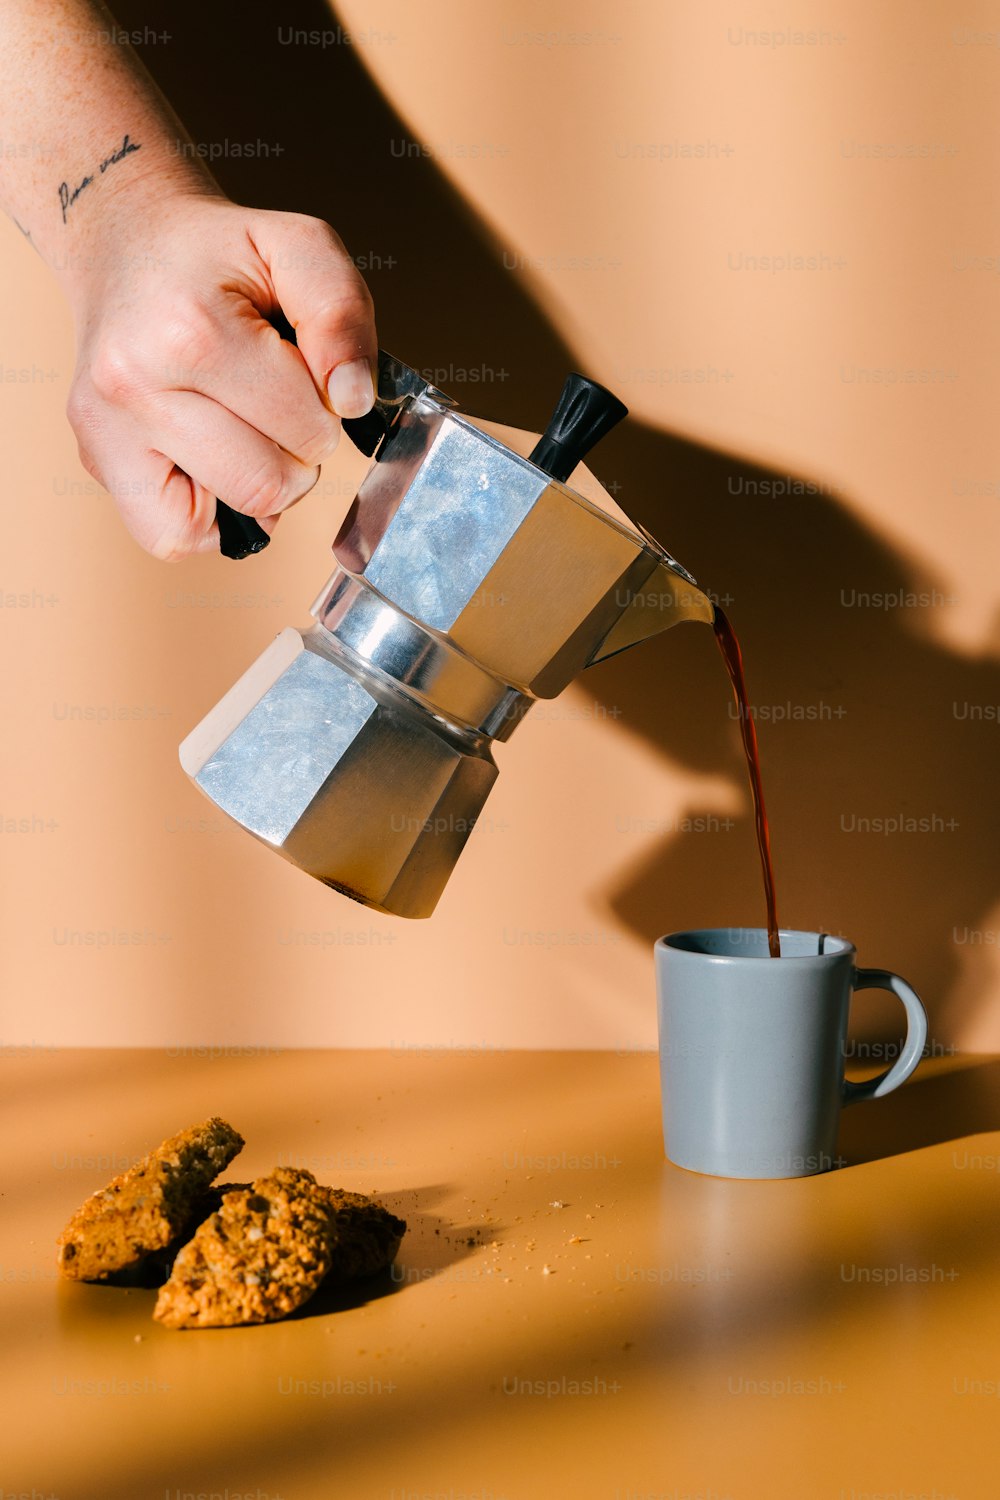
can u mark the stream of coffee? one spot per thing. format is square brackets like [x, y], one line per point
[725, 635]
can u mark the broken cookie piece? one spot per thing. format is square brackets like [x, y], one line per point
[154, 1269]
[145, 1208]
[367, 1235]
[261, 1255]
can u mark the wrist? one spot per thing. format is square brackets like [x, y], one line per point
[125, 221]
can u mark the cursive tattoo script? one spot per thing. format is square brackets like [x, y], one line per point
[125, 149]
[68, 195]
[67, 198]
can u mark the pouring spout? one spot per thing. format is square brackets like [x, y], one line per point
[667, 596]
[654, 593]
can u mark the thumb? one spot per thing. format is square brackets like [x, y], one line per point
[328, 304]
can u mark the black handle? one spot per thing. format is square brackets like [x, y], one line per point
[365, 432]
[584, 412]
[239, 535]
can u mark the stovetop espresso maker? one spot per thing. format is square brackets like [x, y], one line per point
[471, 580]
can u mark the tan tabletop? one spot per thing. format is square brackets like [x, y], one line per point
[570, 1315]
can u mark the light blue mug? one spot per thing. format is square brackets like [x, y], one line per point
[752, 1048]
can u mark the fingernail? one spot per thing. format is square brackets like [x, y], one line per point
[350, 389]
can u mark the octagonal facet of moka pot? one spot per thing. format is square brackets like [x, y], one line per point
[348, 779]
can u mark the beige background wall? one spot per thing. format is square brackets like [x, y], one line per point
[596, 185]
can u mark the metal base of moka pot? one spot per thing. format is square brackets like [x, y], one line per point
[335, 768]
[471, 581]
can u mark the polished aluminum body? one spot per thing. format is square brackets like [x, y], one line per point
[469, 583]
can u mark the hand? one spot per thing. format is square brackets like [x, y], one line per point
[183, 392]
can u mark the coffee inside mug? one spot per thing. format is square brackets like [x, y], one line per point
[751, 942]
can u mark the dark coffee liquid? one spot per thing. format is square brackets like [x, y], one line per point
[731, 655]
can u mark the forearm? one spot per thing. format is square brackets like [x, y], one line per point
[87, 142]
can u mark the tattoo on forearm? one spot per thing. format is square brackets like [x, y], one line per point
[68, 195]
[125, 149]
[25, 232]
[68, 198]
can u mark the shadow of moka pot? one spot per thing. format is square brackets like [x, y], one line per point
[471, 580]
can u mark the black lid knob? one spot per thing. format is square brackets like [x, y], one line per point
[584, 413]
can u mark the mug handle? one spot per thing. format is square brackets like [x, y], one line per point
[913, 1046]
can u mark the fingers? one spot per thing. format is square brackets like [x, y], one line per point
[180, 521]
[325, 299]
[231, 355]
[168, 514]
[166, 472]
[164, 510]
[226, 455]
